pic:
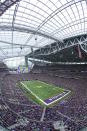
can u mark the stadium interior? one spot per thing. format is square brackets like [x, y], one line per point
[43, 57]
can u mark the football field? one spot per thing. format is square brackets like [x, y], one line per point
[43, 93]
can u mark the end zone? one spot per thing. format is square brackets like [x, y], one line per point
[57, 97]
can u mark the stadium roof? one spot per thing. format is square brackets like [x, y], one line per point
[27, 24]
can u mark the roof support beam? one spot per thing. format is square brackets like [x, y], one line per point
[27, 30]
[6, 5]
[10, 56]
[13, 21]
[16, 44]
[82, 41]
[55, 12]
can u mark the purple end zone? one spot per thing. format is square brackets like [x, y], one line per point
[48, 101]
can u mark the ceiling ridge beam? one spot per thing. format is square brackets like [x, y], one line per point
[26, 30]
[16, 44]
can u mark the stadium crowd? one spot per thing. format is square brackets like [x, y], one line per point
[18, 113]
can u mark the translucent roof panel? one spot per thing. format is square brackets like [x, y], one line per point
[15, 62]
[36, 23]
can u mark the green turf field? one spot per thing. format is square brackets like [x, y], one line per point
[43, 93]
